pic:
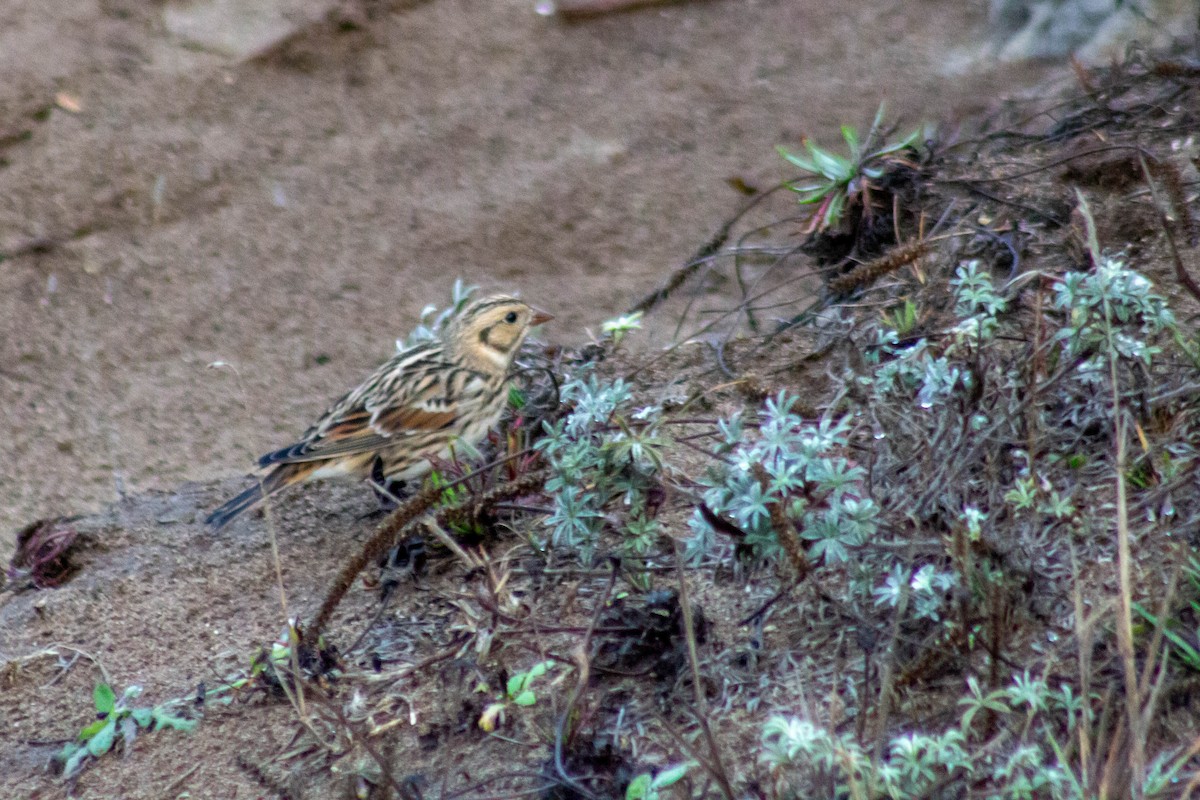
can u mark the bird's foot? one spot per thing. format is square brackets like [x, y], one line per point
[389, 493]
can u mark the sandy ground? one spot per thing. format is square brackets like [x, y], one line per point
[289, 215]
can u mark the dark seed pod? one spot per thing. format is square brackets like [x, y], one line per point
[871, 271]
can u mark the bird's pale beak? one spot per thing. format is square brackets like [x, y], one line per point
[540, 317]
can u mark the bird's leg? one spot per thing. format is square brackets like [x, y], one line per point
[388, 491]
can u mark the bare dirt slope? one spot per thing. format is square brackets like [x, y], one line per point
[291, 214]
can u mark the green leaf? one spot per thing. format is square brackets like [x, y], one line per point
[638, 787]
[165, 719]
[73, 764]
[833, 212]
[799, 161]
[516, 398]
[831, 165]
[851, 137]
[516, 683]
[104, 698]
[903, 144]
[525, 698]
[877, 123]
[102, 742]
[91, 729]
[818, 195]
[1186, 652]
[670, 776]
[142, 716]
[539, 669]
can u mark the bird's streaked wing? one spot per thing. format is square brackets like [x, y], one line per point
[406, 397]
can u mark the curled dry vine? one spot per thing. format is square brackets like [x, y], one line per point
[389, 530]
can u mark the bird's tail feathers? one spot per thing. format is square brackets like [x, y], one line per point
[227, 512]
[282, 475]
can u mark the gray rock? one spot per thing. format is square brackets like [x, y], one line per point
[1093, 30]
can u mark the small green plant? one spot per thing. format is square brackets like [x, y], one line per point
[1026, 495]
[944, 764]
[647, 786]
[800, 753]
[840, 178]
[926, 588]
[974, 293]
[516, 398]
[903, 318]
[1184, 638]
[519, 691]
[115, 717]
[793, 466]
[957, 760]
[1111, 309]
[935, 376]
[606, 455]
[617, 327]
[454, 494]
[977, 305]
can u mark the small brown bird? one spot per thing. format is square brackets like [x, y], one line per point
[413, 407]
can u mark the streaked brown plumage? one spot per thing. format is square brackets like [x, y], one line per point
[413, 407]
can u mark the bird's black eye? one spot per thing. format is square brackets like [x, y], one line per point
[510, 317]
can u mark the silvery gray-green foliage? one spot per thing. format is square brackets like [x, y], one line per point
[818, 488]
[800, 753]
[901, 369]
[926, 586]
[1111, 308]
[920, 397]
[823, 494]
[432, 321]
[604, 454]
[974, 294]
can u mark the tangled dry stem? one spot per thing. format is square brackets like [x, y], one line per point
[388, 531]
